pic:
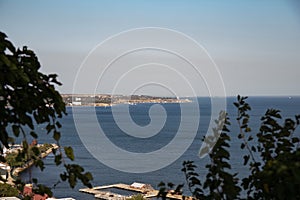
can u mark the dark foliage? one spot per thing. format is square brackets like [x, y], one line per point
[28, 97]
[273, 158]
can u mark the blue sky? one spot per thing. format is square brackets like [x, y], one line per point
[255, 44]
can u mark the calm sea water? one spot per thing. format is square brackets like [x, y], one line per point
[105, 175]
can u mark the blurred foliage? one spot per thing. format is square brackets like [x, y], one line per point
[7, 190]
[272, 155]
[17, 159]
[274, 159]
[29, 98]
[169, 188]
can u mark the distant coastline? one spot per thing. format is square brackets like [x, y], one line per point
[105, 100]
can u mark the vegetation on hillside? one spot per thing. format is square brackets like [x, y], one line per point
[7, 190]
[16, 159]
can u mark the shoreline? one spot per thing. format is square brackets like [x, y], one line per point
[128, 103]
[104, 100]
[29, 164]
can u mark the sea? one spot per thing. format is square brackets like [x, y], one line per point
[151, 171]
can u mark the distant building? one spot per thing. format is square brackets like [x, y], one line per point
[76, 103]
[28, 191]
[4, 171]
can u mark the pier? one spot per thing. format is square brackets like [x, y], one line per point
[100, 192]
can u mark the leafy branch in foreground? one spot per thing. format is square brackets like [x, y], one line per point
[273, 157]
[276, 173]
[29, 98]
[165, 189]
[191, 178]
[220, 182]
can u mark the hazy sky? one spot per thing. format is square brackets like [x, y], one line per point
[255, 44]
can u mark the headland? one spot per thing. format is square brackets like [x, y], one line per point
[110, 100]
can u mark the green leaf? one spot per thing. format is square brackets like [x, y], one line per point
[25, 145]
[63, 176]
[72, 180]
[34, 180]
[58, 125]
[248, 129]
[16, 130]
[245, 121]
[250, 138]
[297, 119]
[57, 159]
[88, 175]
[56, 135]
[236, 104]
[161, 184]
[36, 151]
[295, 140]
[69, 152]
[54, 151]
[39, 163]
[33, 134]
[49, 127]
[170, 185]
[246, 159]
[243, 146]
